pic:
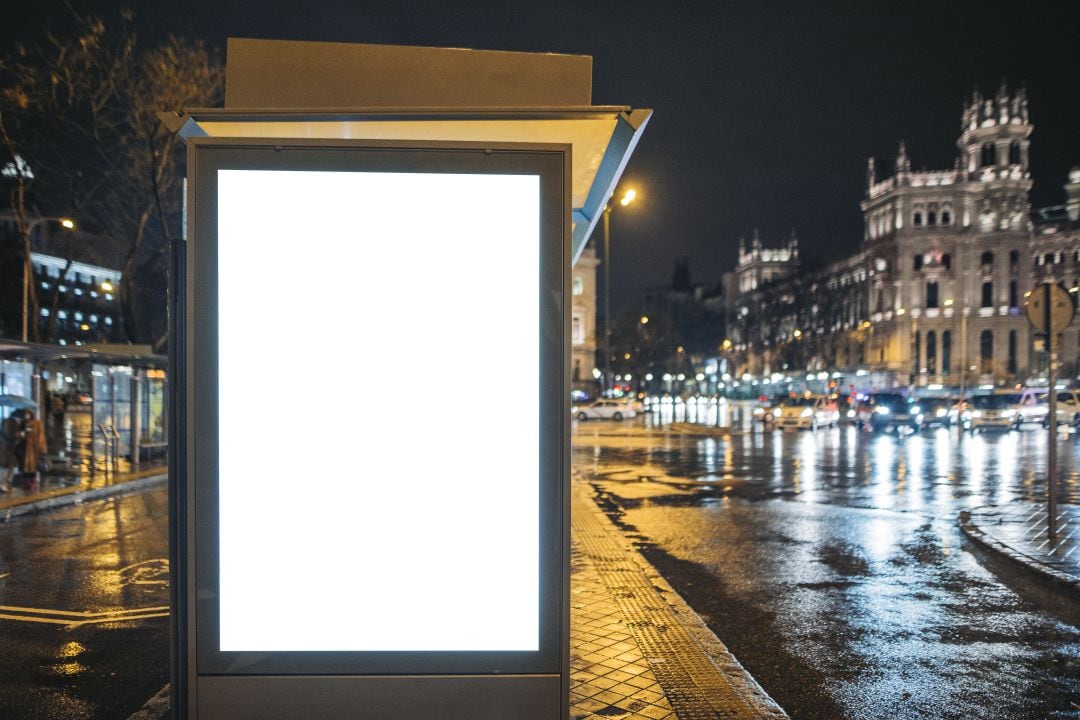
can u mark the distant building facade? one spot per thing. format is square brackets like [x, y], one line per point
[583, 322]
[935, 294]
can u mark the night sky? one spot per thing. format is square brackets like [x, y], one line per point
[765, 112]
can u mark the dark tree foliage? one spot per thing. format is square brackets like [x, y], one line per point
[80, 138]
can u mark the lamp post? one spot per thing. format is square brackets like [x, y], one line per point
[626, 199]
[67, 224]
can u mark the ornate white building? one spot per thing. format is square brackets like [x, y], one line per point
[935, 293]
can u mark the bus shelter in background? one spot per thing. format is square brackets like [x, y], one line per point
[396, 204]
[104, 406]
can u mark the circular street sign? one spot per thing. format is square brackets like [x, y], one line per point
[1061, 308]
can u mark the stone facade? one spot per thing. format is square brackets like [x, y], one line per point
[583, 322]
[935, 293]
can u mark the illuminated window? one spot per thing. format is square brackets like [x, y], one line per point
[108, 320]
[578, 331]
[78, 316]
[62, 314]
[579, 285]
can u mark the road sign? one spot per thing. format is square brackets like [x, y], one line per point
[1061, 308]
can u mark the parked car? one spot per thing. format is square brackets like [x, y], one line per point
[996, 411]
[888, 411]
[765, 412]
[937, 411]
[604, 410]
[809, 412]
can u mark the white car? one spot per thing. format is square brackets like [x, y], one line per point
[604, 410]
[1028, 405]
[1068, 408]
[807, 412]
[990, 411]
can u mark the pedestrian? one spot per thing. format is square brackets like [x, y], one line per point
[9, 436]
[57, 407]
[34, 448]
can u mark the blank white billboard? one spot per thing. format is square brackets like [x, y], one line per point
[379, 411]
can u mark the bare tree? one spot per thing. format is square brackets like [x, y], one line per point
[78, 127]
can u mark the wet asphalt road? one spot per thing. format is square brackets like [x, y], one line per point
[831, 565]
[79, 591]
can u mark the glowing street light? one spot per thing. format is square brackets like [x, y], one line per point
[627, 198]
[67, 224]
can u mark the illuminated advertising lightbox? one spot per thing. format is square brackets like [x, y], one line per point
[376, 411]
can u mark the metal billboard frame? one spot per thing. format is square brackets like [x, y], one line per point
[210, 683]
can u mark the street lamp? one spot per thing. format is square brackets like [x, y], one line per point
[626, 199]
[67, 224]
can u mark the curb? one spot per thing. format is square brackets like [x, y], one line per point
[76, 498]
[1047, 575]
[727, 665]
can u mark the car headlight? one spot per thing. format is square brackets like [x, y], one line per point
[1008, 413]
[881, 410]
[941, 412]
[851, 413]
[759, 411]
[807, 412]
[976, 413]
[777, 412]
[915, 409]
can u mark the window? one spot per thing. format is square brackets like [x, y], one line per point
[931, 218]
[879, 301]
[918, 262]
[578, 331]
[987, 258]
[931, 352]
[579, 285]
[931, 295]
[916, 220]
[1014, 153]
[987, 294]
[986, 350]
[577, 366]
[946, 217]
[1012, 352]
[916, 352]
[988, 153]
[946, 351]
[946, 261]
[1014, 294]
[1048, 259]
[1014, 257]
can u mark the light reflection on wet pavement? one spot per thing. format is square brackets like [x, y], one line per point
[831, 564]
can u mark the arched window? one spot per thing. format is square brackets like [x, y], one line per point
[986, 350]
[987, 294]
[946, 217]
[915, 354]
[988, 155]
[916, 220]
[931, 217]
[946, 351]
[931, 352]
[1012, 352]
[931, 295]
[918, 261]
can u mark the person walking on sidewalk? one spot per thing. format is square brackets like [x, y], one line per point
[9, 461]
[34, 448]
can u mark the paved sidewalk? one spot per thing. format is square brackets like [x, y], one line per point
[55, 491]
[1018, 532]
[636, 649]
